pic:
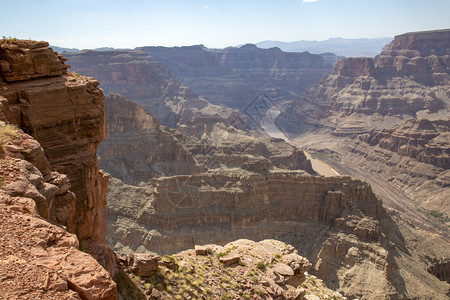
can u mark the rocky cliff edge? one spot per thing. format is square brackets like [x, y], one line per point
[61, 119]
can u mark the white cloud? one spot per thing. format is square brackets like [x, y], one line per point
[309, 1]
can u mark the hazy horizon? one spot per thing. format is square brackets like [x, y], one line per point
[89, 24]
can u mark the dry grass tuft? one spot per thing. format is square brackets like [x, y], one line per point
[6, 133]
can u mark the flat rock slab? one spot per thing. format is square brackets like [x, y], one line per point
[201, 250]
[283, 269]
[229, 260]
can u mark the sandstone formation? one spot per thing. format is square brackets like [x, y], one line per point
[138, 148]
[199, 69]
[38, 259]
[400, 100]
[267, 269]
[414, 155]
[235, 76]
[217, 144]
[64, 113]
[137, 76]
[363, 94]
[23, 60]
[428, 42]
[336, 222]
[172, 213]
[425, 141]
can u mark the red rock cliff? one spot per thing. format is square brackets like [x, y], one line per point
[39, 260]
[65, 114]
[426, 42]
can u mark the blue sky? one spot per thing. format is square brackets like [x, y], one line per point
[131, 23]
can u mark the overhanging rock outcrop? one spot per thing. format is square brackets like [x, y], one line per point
[64, 112]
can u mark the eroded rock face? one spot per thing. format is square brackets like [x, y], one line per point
[214, 143]
[37, 258]
[172, 213]
[427, 42]
[354, 67]
[51, 192]
[337, 223]
[423, 140]
[441, 270]
[408, 80]
[413, 155]
[65, 114]
[364, 94]
[23, 60]
[235, 76]
[138, 148]
[130, 73]
[137, 76]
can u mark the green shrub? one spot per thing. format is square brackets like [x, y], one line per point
[440, 216]
[260, 265]
[9, 39]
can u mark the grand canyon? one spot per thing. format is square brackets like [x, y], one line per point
[235, 173]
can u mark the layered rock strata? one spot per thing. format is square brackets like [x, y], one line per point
[23, 60]
[414, 155]
[65, 114]
[138, 148]
[217, 144]
[409, 79]
[363, 94]
[39, 259]
[235, 76]
[137, 76]
[172, 213]
[337, 223]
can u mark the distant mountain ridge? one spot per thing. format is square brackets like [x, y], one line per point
[346, 47]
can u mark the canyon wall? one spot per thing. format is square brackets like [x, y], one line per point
[363, 94]
[37, 257]
[414, 155]
[336, 222]
[138, 148]
[137, 76]
[174, 213]
[236, 76]
[65, 115]
[388, 116]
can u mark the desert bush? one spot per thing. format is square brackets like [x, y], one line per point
[260, 265]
